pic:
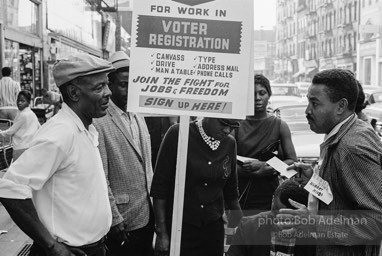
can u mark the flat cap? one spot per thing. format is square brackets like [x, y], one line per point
[119, 60]
[77, 65]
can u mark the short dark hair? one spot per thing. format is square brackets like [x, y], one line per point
[6, 71]
[340, 83]
[26, 94]
[361, 99]
[261, 79]
[291, 189]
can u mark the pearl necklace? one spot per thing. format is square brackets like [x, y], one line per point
[211, 142]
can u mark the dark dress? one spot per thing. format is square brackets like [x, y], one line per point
[211, 178]
[254, 135]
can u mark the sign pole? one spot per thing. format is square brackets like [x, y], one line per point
[180, 178]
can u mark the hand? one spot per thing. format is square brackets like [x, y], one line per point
[60, 249]
[252, 165]
[118, 233]
[234, 218]
[295, 218]
[305, 169]
[258, 168]
[162, 245]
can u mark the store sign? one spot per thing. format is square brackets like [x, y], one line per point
[192, 61]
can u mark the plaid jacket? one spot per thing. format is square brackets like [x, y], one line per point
[128, 171]
[352, 166]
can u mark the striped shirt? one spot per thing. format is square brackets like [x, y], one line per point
[9, 89]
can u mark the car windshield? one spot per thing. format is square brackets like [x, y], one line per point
[284, 91]
[377, 97]
[295, 118]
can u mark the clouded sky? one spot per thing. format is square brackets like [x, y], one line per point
[265, 13]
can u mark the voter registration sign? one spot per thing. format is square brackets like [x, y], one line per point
[191, 57]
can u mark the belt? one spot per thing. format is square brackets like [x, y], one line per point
[97, 248]
[92, 248]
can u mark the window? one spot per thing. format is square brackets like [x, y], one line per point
[344, 45]
[367, 71]
[340, 18]
[23, 16]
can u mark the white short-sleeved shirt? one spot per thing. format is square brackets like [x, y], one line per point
[62, 172]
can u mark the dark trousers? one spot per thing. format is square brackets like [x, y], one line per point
[140, 242]
[96, 249]
[207, 240]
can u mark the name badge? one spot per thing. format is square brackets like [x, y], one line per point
[319, 188]
[282, 254]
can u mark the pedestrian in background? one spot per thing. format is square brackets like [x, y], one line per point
[52, 98]
[62, 169]
[124, 143]
[211, 184]
[24, 126]
[9, 89]
[349, 172]
[361, 104]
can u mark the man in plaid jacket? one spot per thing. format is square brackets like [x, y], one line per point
[349, 172]
[124, 144]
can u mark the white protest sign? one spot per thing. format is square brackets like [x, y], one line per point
[191, 57]
[319, 188]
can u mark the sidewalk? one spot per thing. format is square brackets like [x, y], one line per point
[12, 242]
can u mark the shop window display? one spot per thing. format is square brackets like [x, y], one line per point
[25, 62]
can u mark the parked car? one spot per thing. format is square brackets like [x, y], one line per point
[373, 94]
[374, 114]
[303, 88]
[284, 95]
[305, 141]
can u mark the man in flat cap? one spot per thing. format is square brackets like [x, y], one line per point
[124, 143]
[56, 192]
